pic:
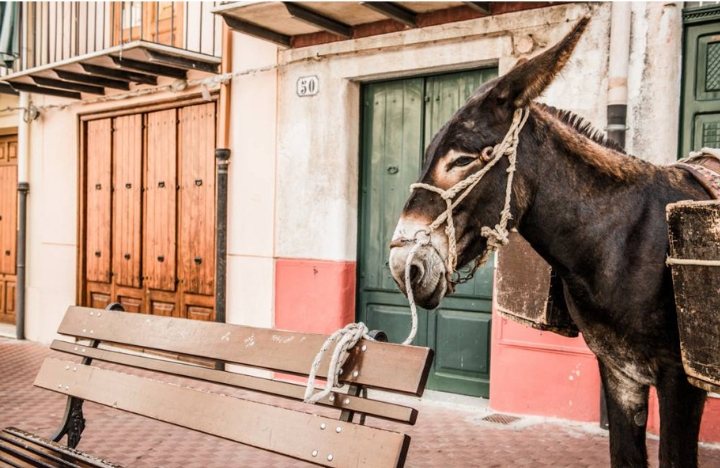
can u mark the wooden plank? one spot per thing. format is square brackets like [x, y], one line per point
[694, 230]
[98, 192]
[382, 365]
[39, 444]
[304, 436]
[127, 202]
[527, 291]
[379, 409]
[159, 266]
[197, 198]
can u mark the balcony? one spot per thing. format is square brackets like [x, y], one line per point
[78, 50]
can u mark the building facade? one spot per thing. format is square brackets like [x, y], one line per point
[326, 115]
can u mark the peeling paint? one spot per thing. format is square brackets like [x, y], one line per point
[250, 341]
[225, 337]
[280, 339]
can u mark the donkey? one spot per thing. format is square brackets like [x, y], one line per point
[595, 214]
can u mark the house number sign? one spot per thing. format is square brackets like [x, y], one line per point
[308, 86]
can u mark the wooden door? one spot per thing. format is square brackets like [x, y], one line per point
[400, 118]
[149, 200]
[701, 83]
[8, 227]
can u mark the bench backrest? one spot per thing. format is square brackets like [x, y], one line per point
[300, 434]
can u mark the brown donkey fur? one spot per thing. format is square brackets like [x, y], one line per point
[597, 216]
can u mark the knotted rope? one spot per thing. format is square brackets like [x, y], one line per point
[496, 237]
[348, 337]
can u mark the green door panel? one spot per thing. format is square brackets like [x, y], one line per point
[399, 119]
[701, 88]
[393, 113]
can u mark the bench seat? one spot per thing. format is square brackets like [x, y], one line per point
[327, 434]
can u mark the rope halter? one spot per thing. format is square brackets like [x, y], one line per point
[496, 237]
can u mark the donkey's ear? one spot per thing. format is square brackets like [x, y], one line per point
[526, 81]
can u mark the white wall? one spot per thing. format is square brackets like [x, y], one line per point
[251, 198]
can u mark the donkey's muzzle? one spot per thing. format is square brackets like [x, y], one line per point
[427, 272]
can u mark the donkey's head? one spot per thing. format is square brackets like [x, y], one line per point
[467, 145]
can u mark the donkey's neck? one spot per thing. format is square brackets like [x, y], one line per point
[589, 205]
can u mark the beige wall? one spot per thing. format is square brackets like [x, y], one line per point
[251, 197]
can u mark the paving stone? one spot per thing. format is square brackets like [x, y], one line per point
[443, 435]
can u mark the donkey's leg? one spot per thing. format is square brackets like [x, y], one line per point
[681, 409]
[627, 405]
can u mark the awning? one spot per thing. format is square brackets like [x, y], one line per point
[284, 22]
[9, 46]
[119, 67]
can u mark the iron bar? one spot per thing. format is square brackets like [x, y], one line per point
[23, 189]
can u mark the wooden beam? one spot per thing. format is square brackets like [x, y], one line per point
[393, 11]
[30, 88]
[68, 85]
[124, 75]
[161, 58]
[316, 19]
[7, 89]
[92, 80]
[257, 31]
[148, 67]
[482, 7]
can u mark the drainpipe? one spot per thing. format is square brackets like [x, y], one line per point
[23, 188]
[620, 28]
[618, 71]
[222, 156]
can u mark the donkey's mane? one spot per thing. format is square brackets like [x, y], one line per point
[583, 127]
[593, 146]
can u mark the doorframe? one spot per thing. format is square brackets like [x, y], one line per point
[82, 119]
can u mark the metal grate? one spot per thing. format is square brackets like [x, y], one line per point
[711, 134]
[712, 71]
[500, 418]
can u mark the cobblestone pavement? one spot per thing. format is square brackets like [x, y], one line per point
[446, 435]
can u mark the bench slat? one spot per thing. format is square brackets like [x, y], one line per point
[280, 430]
[53, 450]
[383, 365]
[23, 457]
[11, 444]
[379, 409]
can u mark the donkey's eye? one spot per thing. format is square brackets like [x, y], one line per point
[463, 161]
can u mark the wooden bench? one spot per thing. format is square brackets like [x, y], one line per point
[334, 441]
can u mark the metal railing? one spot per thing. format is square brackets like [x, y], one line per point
[55, 31]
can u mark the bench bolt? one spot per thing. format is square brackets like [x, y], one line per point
[330, 457]
[323, 426]
[338, 429]
[315, 452]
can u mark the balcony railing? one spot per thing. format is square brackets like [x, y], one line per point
[55, 31]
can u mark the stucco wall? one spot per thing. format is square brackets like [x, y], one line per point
[318, 136]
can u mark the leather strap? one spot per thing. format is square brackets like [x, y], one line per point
[706, 169]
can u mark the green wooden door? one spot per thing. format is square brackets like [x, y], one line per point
[700, 125]
[399, 119]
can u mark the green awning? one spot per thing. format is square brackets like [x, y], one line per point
[9, 32]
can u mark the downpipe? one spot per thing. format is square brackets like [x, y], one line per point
[23, 189]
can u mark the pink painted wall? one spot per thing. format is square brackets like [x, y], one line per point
[314, 295]
[541, 373]
[544, 374]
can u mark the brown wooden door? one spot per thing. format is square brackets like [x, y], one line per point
[149, 212]
[8, 227]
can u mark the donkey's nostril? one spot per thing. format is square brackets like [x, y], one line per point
[415, 274]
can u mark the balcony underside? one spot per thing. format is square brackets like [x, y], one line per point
[300, 24]
[119, 68]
